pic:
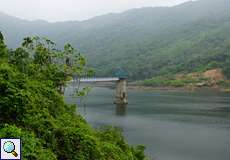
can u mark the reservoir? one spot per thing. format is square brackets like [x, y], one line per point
[173, 125]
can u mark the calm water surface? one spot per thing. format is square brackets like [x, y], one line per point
[173, 125]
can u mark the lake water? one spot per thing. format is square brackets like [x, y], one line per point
[173, 125]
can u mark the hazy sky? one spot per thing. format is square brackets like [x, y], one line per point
[61, 10]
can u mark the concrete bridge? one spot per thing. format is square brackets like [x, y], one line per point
[107, 79]
[121, 89]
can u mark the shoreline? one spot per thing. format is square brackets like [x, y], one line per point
[151, 88]
[184, 88]
[139, 87]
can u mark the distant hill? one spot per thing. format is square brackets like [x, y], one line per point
[194, 36]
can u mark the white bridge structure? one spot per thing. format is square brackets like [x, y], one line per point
[109, 79]
[121, 91]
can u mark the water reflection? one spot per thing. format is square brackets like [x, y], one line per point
[121, 109]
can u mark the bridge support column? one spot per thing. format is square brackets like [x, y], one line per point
[121, 92]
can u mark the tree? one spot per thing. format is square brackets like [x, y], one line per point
[1, 36]
[3, 49]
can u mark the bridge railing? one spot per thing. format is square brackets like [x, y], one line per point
[99, 79]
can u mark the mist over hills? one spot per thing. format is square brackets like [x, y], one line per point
[145, 42]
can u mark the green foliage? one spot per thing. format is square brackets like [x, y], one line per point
[32, 107]
[226, 69]
[173, 81]
[139, 152]
[84, 92]
[115, 147]
[1, 36]
[225, 84]
[3, 49]
[145, 42]
[164, 81]
[32, 147]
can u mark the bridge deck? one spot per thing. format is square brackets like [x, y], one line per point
[108, 79]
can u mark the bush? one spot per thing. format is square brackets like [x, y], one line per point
[32, 147]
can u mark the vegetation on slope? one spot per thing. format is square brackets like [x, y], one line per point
[146, 42]
[32, 107]
[210, 78]
[213, 78]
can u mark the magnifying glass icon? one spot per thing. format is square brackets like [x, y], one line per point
[9, 147]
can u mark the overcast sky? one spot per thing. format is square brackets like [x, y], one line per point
[62, 10]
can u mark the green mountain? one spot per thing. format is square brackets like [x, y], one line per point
[146, 42]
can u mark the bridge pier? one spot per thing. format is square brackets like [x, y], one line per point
[121, 92]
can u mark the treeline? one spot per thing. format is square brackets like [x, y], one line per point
[32, 106]
[146, 42]
[198, 47]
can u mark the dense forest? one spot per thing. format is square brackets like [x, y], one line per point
[32, 106]
[146, 42]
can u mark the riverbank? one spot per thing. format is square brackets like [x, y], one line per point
[211, 79]
[139, 87]
[152, 88]
[170, 88]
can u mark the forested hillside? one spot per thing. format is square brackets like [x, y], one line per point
[146, 42]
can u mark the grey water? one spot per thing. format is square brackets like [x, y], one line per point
[173, 125]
